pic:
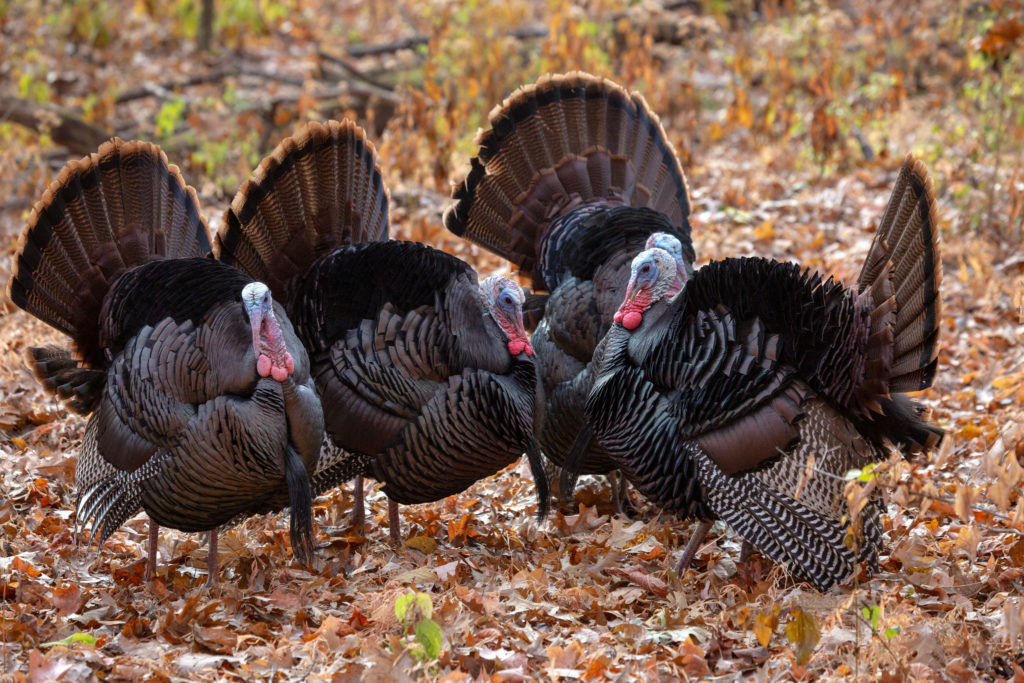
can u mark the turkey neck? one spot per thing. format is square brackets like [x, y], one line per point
[620, 344]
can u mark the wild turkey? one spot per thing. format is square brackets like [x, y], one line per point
[427, 378]
[201, 401]
[571, 179]
[749, 395]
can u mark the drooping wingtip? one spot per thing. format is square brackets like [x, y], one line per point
[572, 465]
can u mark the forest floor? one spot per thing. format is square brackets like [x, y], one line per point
[790, 123]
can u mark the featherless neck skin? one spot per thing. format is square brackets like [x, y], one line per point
[268, 345]
[503, 298]
[652, 276]
[671, 244]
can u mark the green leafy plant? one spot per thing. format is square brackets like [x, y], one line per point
[170, 115]
[414, 610]
[872, 614]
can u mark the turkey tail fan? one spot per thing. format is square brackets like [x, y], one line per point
[117, 208]
[564, 142]
[906, 250]
[320, 188]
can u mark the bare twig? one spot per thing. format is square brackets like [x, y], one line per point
[205, 37]
[349, 66]
[349, 87]
[162, 90]
[412, 42]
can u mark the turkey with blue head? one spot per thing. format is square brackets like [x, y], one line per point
[570, 181]
[748, 395]
[426, 374]
[202, 410]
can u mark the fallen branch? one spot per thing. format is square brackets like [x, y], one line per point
[353, 70]
[64, 128]
[412, 42]
[163, 90]
[348, 87]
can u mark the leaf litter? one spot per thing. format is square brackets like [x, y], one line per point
[586, 595]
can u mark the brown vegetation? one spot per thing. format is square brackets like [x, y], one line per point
[790, 118]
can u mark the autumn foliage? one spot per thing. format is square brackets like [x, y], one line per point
[790, 119]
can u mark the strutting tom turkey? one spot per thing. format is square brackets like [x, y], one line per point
[426, 376]
[202, 408]
[571, 179]
[749, 395]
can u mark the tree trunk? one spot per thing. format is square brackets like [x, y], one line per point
[205, 37]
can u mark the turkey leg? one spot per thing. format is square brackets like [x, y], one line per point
[154, 539]
[393, 522]
[691, 548]
[358, 506]
[211, 560]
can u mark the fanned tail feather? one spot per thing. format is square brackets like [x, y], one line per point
[566, 141]
[120, 207]
[904, 263]
[320, 188]
[63, 375]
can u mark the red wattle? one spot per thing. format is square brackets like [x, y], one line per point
[618, 316]
[263, 365]
[632, 320]
[516, 346]
[279, 373]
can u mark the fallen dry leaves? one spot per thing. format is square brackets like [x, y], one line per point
[776, 161]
